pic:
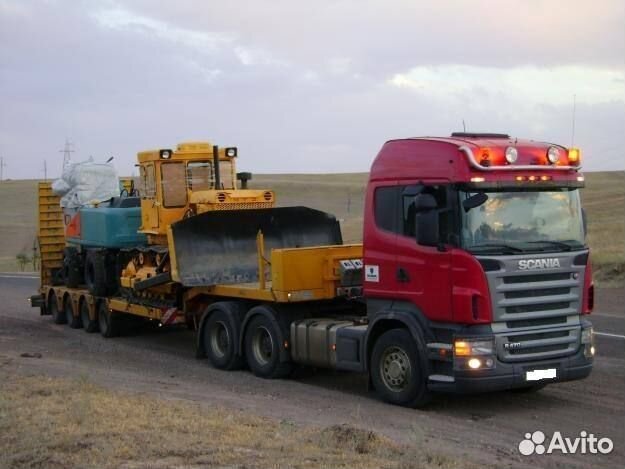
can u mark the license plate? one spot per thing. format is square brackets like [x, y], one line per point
[537, 375]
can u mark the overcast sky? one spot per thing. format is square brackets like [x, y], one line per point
[313, 86]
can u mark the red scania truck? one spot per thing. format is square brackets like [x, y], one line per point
[473, 275]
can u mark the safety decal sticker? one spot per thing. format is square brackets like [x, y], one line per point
[372, 273]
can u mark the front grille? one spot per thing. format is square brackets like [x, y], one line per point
[537, 310]
[537, 278]
[533, 293]
[537, 307]
[536, 322]
[538, 345]
[539, 349]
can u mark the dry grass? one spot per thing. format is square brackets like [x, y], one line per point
[343, 195]
[54, 423]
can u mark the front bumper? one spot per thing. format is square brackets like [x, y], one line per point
[513, 375]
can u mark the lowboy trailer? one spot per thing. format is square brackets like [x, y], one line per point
[473, 275]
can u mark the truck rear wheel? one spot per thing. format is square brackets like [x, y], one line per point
[90, 325]
[107, 322]
[73, 321]
[220, 339]
[262, 349]
[58, 316]
[397, 370]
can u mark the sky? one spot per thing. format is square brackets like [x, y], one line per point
[314, 86]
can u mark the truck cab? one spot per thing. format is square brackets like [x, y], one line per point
[476, 242]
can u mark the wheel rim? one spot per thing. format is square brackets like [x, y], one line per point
[395, 368]
[262, 345]
[219, 339]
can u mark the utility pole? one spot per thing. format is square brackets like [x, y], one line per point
[67, 151]
[45, 170]
[2, 166]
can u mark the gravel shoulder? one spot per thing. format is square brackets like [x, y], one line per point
[480, 429]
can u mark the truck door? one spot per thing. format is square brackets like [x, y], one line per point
[423, 272]
[149, 201]
[380, 239]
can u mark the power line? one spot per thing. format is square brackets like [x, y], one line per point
[67, 151]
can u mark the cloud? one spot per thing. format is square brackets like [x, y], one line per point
[303, 87]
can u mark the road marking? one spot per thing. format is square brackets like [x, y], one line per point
[605, 334]
[609, 315]
[18, 276]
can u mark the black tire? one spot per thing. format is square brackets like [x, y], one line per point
[95, 272]
[262, 349]
[72, 320]
[72, 267]
[107, 321]
[398, 370]
[58, 316]
[89, 325]
[220, 337]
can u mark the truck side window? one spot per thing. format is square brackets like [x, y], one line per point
[147, 188]
[385, 208]
[174, 184]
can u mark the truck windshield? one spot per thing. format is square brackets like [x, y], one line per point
[513, 222]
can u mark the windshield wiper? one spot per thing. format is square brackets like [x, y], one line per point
[560, 244]
[506, 247]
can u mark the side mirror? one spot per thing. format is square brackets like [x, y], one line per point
[426, 219]
[427, 228]
[424, 203]
[474, 201]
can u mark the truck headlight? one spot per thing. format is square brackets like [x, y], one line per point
[474, 354]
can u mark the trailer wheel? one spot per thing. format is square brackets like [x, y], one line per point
[220, 339]
[73, 321]
[72, 267]
[397, 371]
[58, 316]
[262, 349]
[107, 322]
[90, 325]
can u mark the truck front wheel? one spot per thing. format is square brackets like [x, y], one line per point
[397, 370]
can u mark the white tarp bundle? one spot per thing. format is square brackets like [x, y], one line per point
[86, 183]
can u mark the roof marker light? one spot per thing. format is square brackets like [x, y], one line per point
[580, 178]
[545, 178]
[512, 154]
[520, 178]
[574, 155]
[553, 155]
[477, 179]
[532, 178]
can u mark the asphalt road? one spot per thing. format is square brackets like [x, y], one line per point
[482, 428]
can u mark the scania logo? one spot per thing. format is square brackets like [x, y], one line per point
[512, 345]
[534, 264]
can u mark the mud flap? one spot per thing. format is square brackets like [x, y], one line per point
[220, 247]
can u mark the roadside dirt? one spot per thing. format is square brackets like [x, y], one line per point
[481, 429]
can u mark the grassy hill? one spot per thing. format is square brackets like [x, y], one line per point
[343, 195]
